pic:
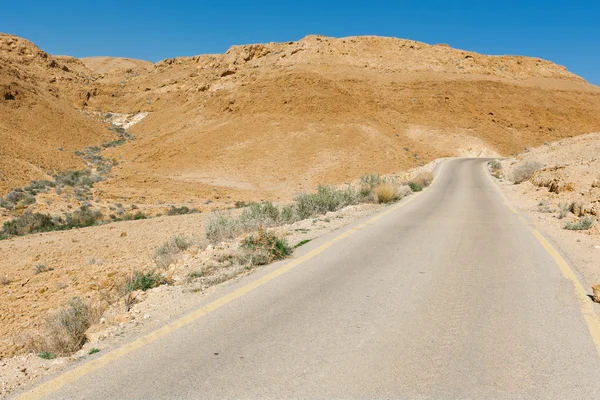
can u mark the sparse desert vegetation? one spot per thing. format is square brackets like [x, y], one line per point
[63, 332]
[371, 188]
[166, 254]
[496, 168]
[143, 280]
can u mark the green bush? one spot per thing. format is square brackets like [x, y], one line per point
[40, 186]
[327, 198]
[29, 223]
[114, 143]
[564, 210]
[81, 178]
[420, 181]
[83, 217]
[415, 187]
[265, 247]
[368, 184]
[495, 164]
[17, 197]
[583, 224]
[144, 281]
[180, 210]
[288, 214]
[46, 355]
[222, 226]
[139, 215]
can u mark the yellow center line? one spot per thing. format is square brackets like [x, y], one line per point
[76, 373]
[585, 303]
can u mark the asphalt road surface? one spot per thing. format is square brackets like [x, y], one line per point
[449, 296]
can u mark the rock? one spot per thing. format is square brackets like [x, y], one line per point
[577, 208]
[123, 234]
[96, 331]
[122, 318]
[596, 295]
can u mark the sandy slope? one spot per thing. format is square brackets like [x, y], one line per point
[40, 124]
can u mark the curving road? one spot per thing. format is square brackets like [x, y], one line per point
[448, 296]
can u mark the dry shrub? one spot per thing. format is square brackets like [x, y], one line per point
[385, 192]
[63, 333]
[388, 192]
[423, 178]
[327, 198]
[167, 254]
[525, 170]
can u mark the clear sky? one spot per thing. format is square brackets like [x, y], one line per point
[566, 32]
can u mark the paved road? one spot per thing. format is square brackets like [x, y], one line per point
[447, 297]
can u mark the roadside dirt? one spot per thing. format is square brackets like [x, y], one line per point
[77, 276]
[89, 262]
[569, 176]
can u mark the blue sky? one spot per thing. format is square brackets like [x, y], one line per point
[566, 32]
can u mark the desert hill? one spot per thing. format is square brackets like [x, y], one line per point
[267, 121]
[101, 65]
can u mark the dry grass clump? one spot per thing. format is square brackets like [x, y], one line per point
[221, 226]
[166, 254]
[525, 170]
[389, 192]
[63, 333]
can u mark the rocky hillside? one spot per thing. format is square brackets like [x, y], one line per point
[267, 121]
[41, 123]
